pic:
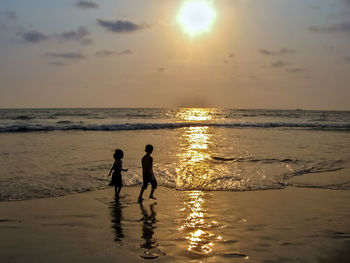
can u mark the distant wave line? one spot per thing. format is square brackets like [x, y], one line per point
[175, 125]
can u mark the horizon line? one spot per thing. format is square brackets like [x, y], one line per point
[224, 108]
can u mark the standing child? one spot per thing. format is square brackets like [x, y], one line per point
[117, 174]
[147, 173]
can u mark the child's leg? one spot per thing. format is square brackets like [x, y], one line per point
[119, 189]
[116, 192]
[154, 186]
[151, 194]
[143, 188]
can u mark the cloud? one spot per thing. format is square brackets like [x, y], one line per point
[105, 53]
[87, 5]
[8, 22]
[67, 55]
[81, 34]
[279, 64]
[160, 69]
[10, 15]
[33, 36]
[336, 28]
[282, 51]
[346, 58]
[267, 52]
[296, 70]
[286, 51]
[126, 52]
[121, 26]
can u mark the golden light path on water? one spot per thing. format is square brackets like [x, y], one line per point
[195, 114]
[197, 225]
[194, 172]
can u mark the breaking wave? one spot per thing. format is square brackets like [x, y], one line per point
[67, 125]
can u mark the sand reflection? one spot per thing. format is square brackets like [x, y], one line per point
[149, 245]
[149, 221]
[116, 213]
[197, 225]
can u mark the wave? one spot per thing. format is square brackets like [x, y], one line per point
[23, 117]
[253, 160]
[339, 186]
[155, 126]
[64, 122]
[71, 114]
[84, 177]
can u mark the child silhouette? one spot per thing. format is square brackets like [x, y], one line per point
[117, 169]
[147, 173]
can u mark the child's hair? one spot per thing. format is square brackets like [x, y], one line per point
[149, 148]
[118, 154]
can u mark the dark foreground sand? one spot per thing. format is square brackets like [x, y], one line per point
[289, 225]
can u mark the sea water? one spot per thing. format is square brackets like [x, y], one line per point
[53, 152]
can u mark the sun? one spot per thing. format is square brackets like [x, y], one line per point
[196, 16]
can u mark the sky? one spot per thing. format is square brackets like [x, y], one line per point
[261, 54]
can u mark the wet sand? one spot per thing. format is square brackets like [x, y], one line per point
[287, 225]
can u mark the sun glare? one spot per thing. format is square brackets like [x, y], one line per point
[196, 16]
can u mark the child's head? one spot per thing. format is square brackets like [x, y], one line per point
[118, 154]
[149, 148]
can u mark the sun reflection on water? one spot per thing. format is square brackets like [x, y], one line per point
[194, 172]
[197, 225]
[195, 114]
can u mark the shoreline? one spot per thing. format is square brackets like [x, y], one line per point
[304, 181]
[215, 226]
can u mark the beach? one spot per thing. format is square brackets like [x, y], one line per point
[234, 186]
[288, 225]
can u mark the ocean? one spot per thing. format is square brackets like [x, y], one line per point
[55, 152]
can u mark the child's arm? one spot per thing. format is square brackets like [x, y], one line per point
[111, 170]
[121, 167]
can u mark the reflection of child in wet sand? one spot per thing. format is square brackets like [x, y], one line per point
[147, 173]
[149, 221]
[117, 174]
